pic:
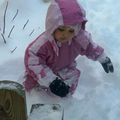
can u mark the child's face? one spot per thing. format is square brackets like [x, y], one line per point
[64, 33]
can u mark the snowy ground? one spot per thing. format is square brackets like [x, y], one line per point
[98, 93]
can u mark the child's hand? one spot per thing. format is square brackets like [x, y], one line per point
[107, 65]
[59, 88]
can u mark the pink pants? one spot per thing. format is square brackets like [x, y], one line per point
[69, 75]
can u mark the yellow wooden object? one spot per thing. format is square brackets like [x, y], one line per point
[12, 101]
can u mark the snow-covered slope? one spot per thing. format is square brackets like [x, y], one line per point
[98, 93]
[26, 21]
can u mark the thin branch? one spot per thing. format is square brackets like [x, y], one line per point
[15, 15]
[63, 115]
[31, 32]
[3, 38]
[5, 18]
[13, 49]
[11, 31]
[25, 24]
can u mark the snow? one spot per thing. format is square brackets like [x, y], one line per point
[46, 112]
[8, 85]
[98, 93]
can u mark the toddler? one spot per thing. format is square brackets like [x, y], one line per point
[50, 59]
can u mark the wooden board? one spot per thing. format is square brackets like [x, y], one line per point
[12, 101]
[46, 112]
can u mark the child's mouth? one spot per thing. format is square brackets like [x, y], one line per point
[63, 38]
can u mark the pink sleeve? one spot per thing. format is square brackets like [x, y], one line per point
[36, 66]
[88, 47]
[93, 51]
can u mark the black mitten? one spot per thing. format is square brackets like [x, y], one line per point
[107, 65]
[59, 88]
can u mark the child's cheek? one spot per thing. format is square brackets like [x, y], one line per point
[58, 34]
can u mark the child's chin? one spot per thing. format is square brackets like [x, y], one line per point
[64, 41]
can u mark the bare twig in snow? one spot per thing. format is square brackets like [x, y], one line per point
[31, 32]
[25, 24]
[5, 18]
[13, 49]
[3, 38]
[11, 31]
[15, 15]
[63, 115]
[46, 1]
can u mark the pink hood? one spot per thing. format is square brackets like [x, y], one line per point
[63, 12]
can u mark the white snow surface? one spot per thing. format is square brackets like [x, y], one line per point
[47, 112]
[98, 93]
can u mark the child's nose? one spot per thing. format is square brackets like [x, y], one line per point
[66, 34]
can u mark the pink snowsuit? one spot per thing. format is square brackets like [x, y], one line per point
[45, 59]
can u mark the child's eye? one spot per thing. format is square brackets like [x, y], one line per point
[61, 29]
[71, 31]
